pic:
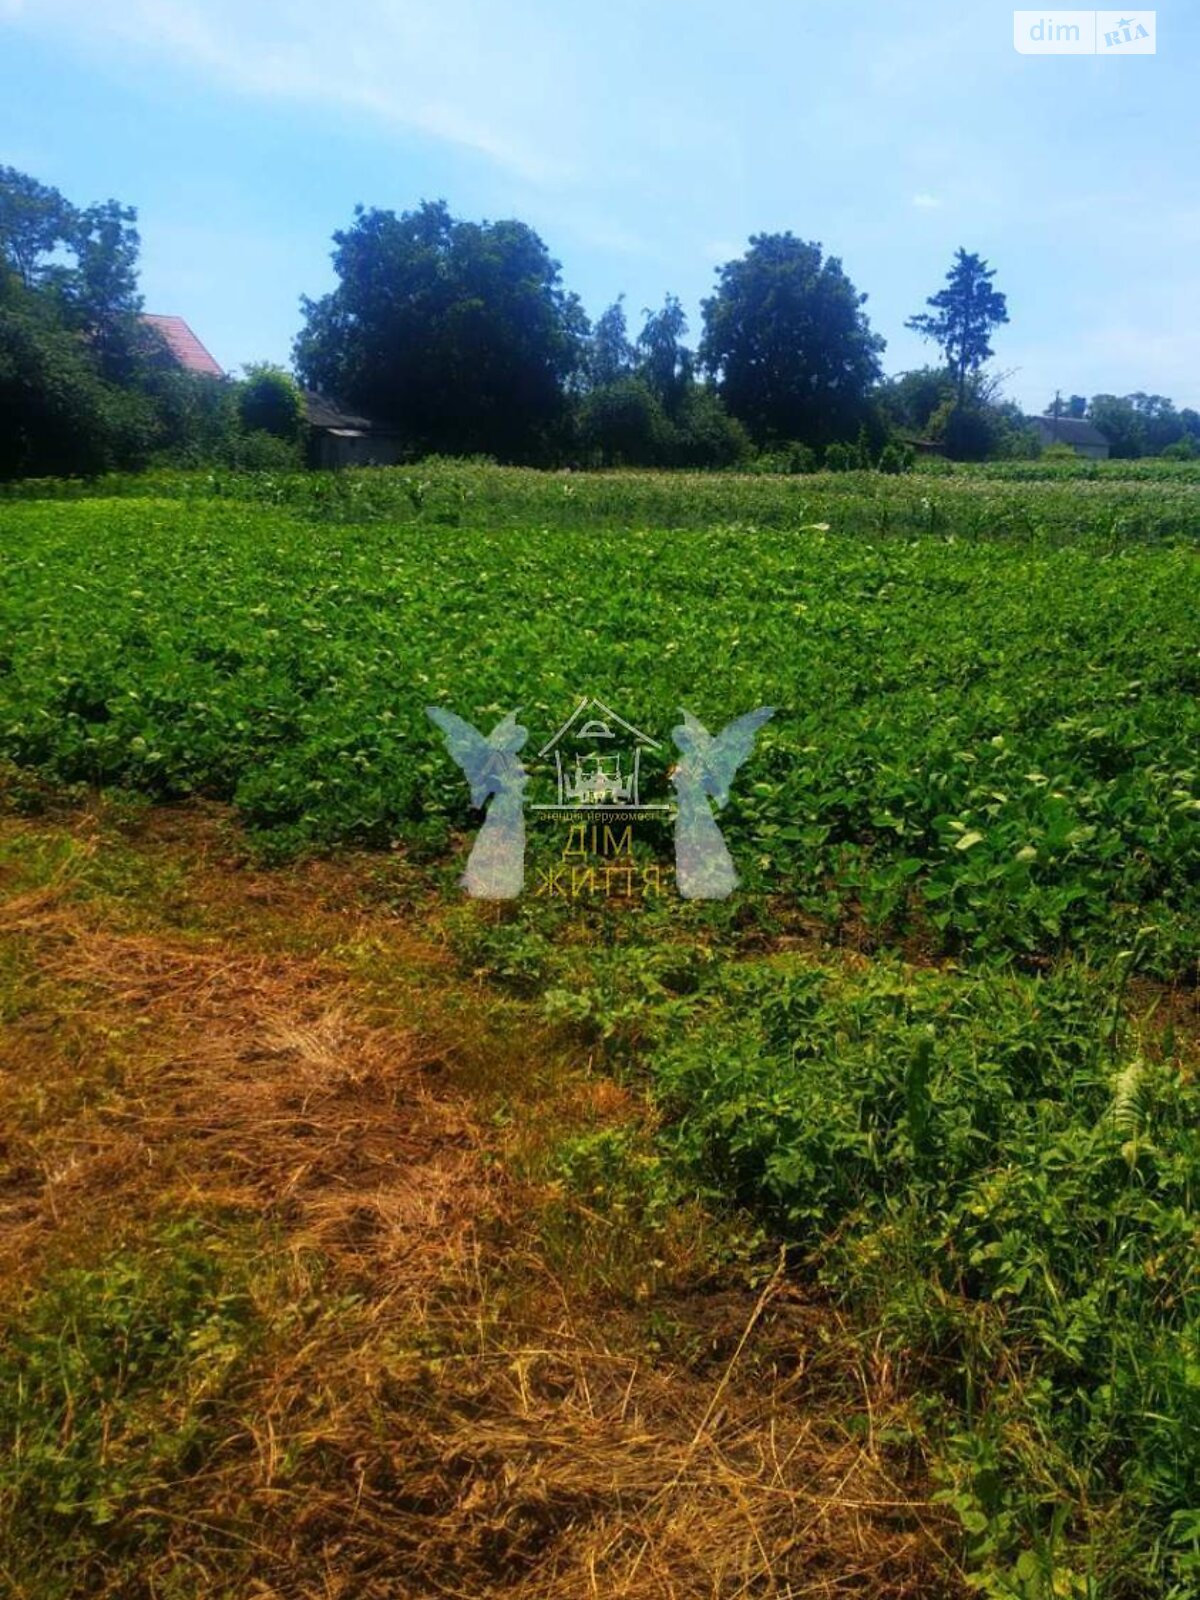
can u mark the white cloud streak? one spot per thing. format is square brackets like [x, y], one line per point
[451, 71]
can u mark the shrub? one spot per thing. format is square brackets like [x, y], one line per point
[265, 452]
[195, 419]
[896, 458]
[623, 424]
[842, 458]
[786, 459]
[1182, 450]
[270, 402]
[705, 434]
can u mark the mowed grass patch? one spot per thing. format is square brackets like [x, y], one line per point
[308, 1300]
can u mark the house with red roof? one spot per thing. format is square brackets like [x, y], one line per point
[183, 346]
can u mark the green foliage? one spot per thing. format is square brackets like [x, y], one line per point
[704, 434]
[788, 342]
[896, 458]
[963, 317]
[664, 362]
[973, 1171]
[263, 451]
[612, 1171]
[973, 431]
[623, 424]
[457, 333]
[984, 750]
[35, 220]
[269, 401]
[57, 414]
[107, 1379]
[610, 354]
[40, 231]
[85, 386]
[910, 400]
[988, 711]
[1118, 420]
[1145, 425]
[1074, 406]
[1184, 449]
[789, 460]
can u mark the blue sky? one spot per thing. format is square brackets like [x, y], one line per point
[645, 140]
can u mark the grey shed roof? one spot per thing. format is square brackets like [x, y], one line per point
[1071, 430]
[321, 412]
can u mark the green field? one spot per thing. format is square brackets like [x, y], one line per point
[986, 725]
[940, 1042]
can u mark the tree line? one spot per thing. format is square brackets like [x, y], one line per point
[85, 385]
[462, 338]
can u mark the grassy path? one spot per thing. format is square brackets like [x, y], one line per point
[300, 1300]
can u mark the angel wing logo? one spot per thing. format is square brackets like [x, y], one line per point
[496, 866]
[705, 770]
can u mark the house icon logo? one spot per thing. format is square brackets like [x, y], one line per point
[598, 761]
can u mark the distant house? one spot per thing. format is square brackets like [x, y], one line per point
[183, 346]
[1083, 437]
[340, 438]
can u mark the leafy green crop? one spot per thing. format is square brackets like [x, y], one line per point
[1006, 1190]
[986, 743]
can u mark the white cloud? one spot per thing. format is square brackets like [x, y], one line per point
[450, 70]
[926, 202]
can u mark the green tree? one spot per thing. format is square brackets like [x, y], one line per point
[1118, 420]
[664, 361]
[911, 398]
[35, 221]
[84, 384]
[196, 419]
[611, 355]
[1161, 422]
[58, 417]
[269, 401]
[1183, 449]
[622, 424]
[101, 292]
[788, 343]
[964, 315]
[458, 333]
[705, 435]
[84, 260]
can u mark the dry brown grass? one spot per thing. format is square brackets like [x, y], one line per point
[458, 1416]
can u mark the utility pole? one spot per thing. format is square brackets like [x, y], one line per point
[1057, 410]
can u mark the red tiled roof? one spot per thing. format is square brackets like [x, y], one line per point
[184, 345]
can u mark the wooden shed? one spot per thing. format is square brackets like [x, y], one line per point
[341, 438]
